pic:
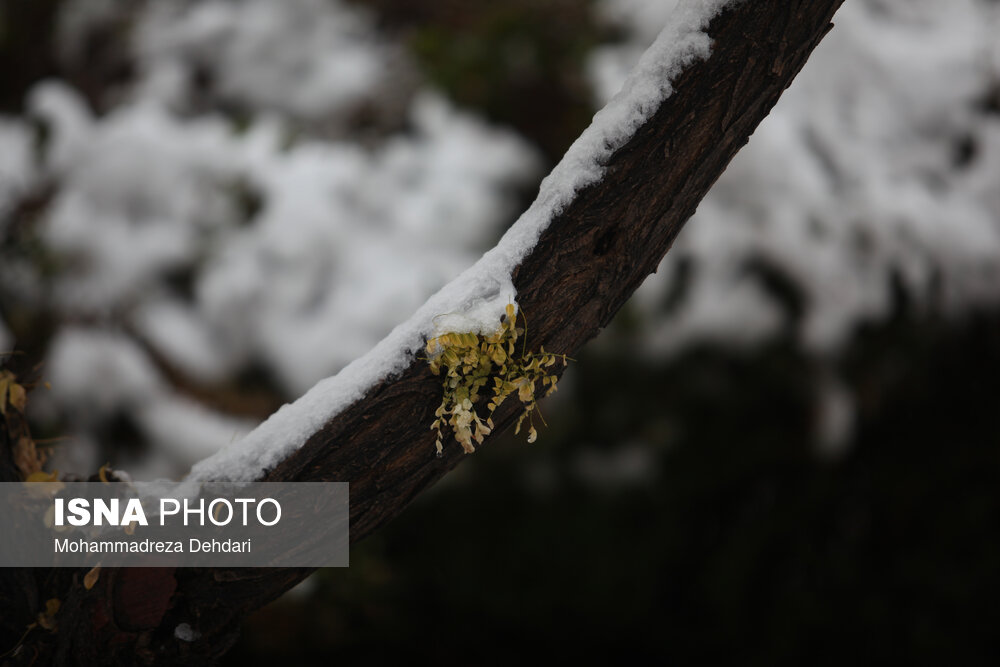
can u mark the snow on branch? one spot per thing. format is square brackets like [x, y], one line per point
[475, 300]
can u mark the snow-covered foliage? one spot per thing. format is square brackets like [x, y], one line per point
[308, 59]
[879, 166]
[16, 164]
[344, 239]
[96, 375]
[210, 242]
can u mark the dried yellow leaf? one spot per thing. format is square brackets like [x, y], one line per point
[526, 391]
[46, 619]
[91, 577]
[18, 396]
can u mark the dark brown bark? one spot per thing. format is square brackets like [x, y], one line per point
[586, 264]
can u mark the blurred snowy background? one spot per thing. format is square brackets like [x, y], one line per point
[207, 206]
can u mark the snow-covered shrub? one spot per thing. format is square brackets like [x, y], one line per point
[222, 216]
[878, 167]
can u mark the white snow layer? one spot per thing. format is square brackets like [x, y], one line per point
[481, 293]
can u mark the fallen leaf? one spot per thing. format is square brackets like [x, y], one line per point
[91, 577]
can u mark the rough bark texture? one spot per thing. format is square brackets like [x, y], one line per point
[586, 264]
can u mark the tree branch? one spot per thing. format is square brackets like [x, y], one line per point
[590, 259]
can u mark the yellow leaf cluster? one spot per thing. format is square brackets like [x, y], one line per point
[473, 366]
